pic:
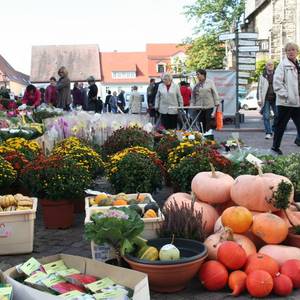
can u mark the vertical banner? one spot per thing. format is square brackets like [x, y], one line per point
[225, 84]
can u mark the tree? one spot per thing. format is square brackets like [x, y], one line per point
[215, 15]
[205, 52]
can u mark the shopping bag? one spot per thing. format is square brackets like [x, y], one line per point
[219, 120]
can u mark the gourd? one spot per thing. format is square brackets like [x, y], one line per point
[148, 253]
[214, 241]
[237, 282]
[238, 218]
[259, 283]
[120, 202]
[150, 213]
[213, 275]
[283, 285]
[281, 253]
[270, 228]
[261, 261]
[212, 187]
[259, 192]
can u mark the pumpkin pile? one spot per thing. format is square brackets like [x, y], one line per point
[242, 216]
[15, 202]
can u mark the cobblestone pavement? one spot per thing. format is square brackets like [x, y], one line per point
[71, 241]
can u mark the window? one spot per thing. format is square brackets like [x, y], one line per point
[123, 74]
[161, 68]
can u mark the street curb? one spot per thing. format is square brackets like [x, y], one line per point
[241, 130]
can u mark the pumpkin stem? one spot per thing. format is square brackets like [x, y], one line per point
[137, 196]
[228, 234]
[213, 171]
[259, 169]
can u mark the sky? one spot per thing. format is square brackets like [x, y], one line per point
[122, 25]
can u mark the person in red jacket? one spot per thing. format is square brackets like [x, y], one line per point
[185, 93]
[32, 96]
[51, 92]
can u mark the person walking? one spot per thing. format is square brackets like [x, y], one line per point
[92, 94]
[51, 92]
[64, 89]
[287, 88]
[113, 101]
[267, 97]
[168, 97]
[135, 101]
[121, 100]
[151, 98]
[107, 102]
[205, 96]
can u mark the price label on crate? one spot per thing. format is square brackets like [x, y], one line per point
[5, 230]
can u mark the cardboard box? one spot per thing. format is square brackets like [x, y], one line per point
[129, 278]
[17, 230]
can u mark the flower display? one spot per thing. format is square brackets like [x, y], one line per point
[126, 137]
[30, 149]
[7, 173]
[75, 149]
[16, 158]
[56, 178]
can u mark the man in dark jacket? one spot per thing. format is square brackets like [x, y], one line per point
[121, 101]
[92, 94]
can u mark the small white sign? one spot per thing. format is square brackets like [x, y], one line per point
[253, 160]
[244, 74]
[247, 60]
[249, 48]
[248, 35]
[243, 81]
[247, 42]
[247, 54]
[226, 36]
[247, 67]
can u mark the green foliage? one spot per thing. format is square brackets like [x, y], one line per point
[206, 52]
[282, 195]
[136, 172]
[118, 227]
[215, 15]
[124, 138]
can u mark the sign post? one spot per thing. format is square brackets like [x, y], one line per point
[237, 112]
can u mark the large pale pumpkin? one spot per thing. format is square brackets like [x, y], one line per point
[212, 187]
[210, 215]
[257, 192]
[270, 228]
[238, 218]
[214, 241]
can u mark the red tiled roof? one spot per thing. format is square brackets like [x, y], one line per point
[124, 61]
[11, 73]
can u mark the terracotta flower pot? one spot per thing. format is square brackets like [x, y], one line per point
[293, 239]
[171, 276]
[57, 214]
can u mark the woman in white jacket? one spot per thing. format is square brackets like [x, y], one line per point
[287, 88]
[135, 101]
[168, 97]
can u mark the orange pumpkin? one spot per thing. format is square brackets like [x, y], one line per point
[232, 255]
[283, 285]
[237, 282]
[238, 218]
[150, 213]
[210, 215]
[214, 241]
[291, 268]
[261, 261]
[213, 275]
[120, 202]
[257, 192]
[212, 187]
[270, 228]
[259, 283]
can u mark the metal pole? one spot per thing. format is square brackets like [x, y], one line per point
[237, 113]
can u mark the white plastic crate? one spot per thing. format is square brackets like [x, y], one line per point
[17, 230]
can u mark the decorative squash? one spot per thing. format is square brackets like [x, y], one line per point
[291, 268]
[150, 213]
[261, 261]
[213, 275]
[214, 241]
[258, 192]
[281, 253]
[237, 282]
[210, 215]
[259, 283]
[270, 228]
[232, 255]
[119, 202]
[212, 187]
[238, 218]
[283, 285]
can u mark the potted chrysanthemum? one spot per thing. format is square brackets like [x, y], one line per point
[57, 181]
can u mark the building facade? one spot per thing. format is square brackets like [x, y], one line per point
[276, 21]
